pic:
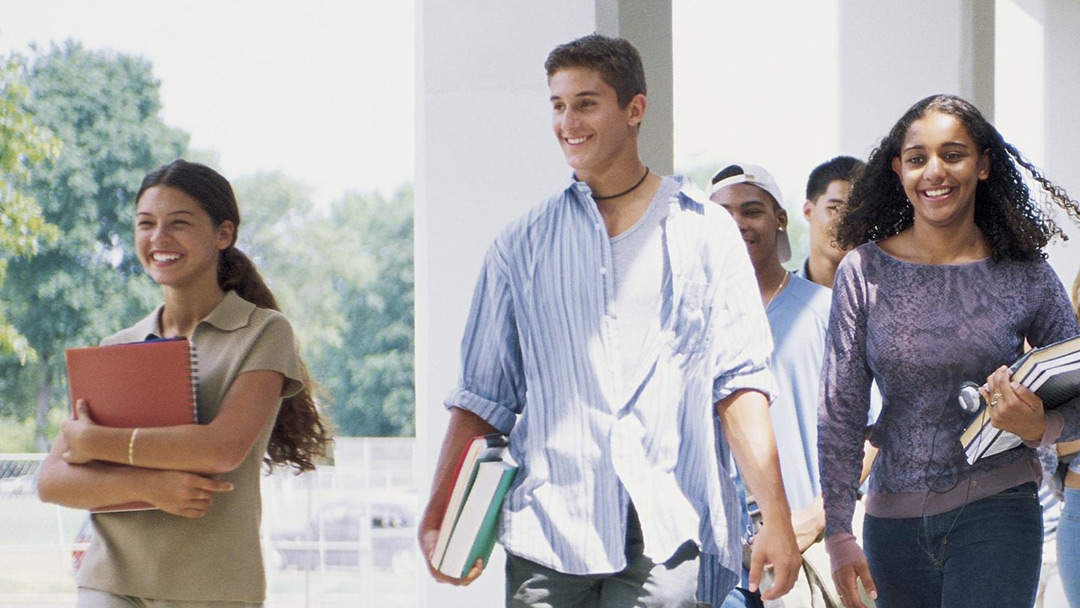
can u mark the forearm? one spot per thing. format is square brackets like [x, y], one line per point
[748, 430]
[248, 407]
[195, 448]
[809, 523]
[842, 462]
[88, 486]
[464, 425]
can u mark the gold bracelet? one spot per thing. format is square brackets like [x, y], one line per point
[131, 447]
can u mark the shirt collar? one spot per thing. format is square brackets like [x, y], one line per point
[689, 194]
[232, 313]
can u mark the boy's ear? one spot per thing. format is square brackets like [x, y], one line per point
[636, 109]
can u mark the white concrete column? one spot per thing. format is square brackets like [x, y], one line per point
[893, 54]
[1062, 64]
[647, 25]
[485, 154]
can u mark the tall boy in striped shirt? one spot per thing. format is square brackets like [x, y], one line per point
[608, 327]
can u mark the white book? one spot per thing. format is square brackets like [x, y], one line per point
[989, 441]
[1052, 372]
[484, 491]
[481, 448]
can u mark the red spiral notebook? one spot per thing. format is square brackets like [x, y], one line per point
[137, 385]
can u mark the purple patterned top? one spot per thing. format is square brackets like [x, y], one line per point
[920, 331]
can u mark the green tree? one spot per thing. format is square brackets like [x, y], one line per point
[23, 144]
[370, 374]
[105, 108]
[283, 233]
[345, 281]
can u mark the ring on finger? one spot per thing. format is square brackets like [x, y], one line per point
[995, 398]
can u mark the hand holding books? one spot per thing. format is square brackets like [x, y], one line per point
[1013, 407]
[124, 387]
[458, 550]
[1015, 399]
[74, 430]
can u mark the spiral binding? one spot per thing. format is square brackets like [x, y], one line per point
[193, 373]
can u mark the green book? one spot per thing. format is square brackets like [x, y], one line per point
[475, 531]
[485, 537]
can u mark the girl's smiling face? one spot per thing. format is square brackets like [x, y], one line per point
[176, 240]
[940, 167]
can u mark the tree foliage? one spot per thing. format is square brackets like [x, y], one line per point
[23, 144]
[105, 109]
[370, 374]
[345, 279]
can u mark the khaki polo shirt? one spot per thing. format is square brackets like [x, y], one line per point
[152, 554]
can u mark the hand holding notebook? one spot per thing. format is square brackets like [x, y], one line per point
[137, 385]
[1051, 373]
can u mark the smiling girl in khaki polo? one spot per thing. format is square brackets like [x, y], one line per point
[200, 547]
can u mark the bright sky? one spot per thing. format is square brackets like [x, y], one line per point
[321, 91]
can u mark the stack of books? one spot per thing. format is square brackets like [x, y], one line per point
[1052, 372]
[484, 474]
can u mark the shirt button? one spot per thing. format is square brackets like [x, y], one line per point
[598, 226]
[603, 270]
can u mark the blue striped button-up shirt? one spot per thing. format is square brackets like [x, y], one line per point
[539, 362]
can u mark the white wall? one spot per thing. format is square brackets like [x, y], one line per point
[1062, 107]
[893, 54]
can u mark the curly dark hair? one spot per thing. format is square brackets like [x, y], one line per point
[1015, 225]
[301, 434]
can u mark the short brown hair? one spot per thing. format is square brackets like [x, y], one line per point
[617, 61]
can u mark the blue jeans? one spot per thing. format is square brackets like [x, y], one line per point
[986, 553]
[1068, 546]
[741, 598]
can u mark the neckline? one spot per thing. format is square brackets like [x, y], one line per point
[662, 193]
[922, 265]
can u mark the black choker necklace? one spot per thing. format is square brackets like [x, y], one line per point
[624, 192]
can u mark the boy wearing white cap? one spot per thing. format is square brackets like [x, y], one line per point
[798, 314]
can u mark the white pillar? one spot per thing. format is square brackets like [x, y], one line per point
[893, 54]
[485, 154]
[1062, 64]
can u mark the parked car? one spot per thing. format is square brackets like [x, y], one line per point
[341, 533]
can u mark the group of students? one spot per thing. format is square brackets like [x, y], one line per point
[629, 335]
[629, 339]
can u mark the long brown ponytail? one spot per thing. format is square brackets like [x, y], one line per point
[301, 435]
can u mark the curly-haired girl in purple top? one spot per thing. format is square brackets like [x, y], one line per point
[946, 281]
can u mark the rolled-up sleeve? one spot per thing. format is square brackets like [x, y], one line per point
[741, 330]
[492, 381]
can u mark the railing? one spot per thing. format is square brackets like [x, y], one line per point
[339, 536]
